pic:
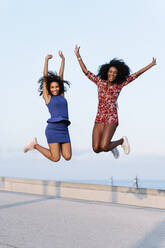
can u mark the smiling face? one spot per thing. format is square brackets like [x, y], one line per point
[54, 88]
[112, 74]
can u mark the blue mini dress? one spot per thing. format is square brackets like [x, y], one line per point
[57, 128]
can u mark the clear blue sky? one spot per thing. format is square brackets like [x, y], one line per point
[131, 30]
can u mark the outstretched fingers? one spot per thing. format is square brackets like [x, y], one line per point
[154, 61]
[77, 50]
[61, 54]
[49, 56]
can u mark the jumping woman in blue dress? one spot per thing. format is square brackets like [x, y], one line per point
[57, 134]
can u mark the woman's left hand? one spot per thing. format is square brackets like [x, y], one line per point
[61, 54]
[153, 61]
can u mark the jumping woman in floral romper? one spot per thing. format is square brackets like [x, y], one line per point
[111, 78]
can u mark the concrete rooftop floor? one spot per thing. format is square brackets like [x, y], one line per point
[29, 221]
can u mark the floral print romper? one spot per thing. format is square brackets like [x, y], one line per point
[107, 98]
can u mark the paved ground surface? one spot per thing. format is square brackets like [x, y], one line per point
[28, 221]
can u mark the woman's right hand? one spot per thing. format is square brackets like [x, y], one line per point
[49, 56]
[77, 48]
[82, 65]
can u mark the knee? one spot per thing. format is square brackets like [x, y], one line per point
[55, 158]
[104, 147]
[67, 157]
[96, 148]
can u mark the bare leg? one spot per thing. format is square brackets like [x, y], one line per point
[66, 150]
[97, 136]
[106, 144]
[53, 154]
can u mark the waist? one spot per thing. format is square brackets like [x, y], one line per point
[108, 105]
[59, 119]
[58, 125]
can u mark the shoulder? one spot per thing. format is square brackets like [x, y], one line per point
[97, 80]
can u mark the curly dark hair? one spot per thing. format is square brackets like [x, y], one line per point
[52, 77]
[122, 68]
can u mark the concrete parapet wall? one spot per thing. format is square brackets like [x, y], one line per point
[92, 192]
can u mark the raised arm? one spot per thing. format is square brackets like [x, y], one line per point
[46, 95]
[89, 74]
[61, 71]
[49, 56]
[138, 73]
[81, 63]
[146, 68]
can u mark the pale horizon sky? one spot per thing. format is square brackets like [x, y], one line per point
[126, 29]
